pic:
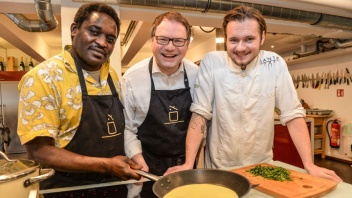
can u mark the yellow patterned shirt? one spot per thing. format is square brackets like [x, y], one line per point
[50, 102]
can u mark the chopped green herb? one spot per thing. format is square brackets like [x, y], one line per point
[272, 173]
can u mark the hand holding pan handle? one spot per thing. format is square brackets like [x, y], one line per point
[147, 175]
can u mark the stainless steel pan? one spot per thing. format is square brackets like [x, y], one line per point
[231, 180]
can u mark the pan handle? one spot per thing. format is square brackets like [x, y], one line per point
[48, 172]
[147, 175]
[254, 185]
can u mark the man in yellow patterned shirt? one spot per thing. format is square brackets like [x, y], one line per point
[70, 116]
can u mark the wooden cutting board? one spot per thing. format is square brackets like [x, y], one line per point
[303, 185]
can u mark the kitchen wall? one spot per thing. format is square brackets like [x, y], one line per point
[17, 54]
[327, 98]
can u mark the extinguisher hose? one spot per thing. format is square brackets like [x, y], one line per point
[327, 130]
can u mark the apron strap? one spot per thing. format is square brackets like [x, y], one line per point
[83, 82]
[152, 82]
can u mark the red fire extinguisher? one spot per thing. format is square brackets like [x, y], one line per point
[334, 134]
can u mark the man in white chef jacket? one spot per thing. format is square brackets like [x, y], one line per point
[237, 91]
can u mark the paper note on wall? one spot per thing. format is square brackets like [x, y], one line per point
[347, 129]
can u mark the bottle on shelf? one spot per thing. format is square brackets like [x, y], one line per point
[22, 65]
[2, 66]
[30, 63]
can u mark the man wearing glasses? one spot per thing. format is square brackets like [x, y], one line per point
[157, 93]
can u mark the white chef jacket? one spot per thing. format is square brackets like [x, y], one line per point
[240, 105]
[136, 90]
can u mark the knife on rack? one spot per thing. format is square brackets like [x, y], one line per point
[317, 81]
[331, 78]
[321, 80]
[297, 82]
[348, 76]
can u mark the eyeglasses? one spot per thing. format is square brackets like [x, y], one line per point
[177, 42]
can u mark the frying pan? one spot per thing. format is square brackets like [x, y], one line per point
[231, 180]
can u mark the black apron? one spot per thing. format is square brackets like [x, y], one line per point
[163, 132]
[100, 134]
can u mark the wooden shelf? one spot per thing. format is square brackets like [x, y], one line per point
[319, 151]
[11, 75]
[317, 136]
[320, 121]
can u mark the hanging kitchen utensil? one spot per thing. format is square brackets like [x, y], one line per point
[326, 81]
[321, 80]
[331, 78]
[297, 82]
[348, 76]
[303, 80]
[318, 80]
[313, 81]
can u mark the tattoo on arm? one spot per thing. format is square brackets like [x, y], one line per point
[198, 121]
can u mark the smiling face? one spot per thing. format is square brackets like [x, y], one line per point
[243, 41]
[168, 57]
[94, 41]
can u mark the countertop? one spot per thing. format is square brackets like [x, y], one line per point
[343, 190]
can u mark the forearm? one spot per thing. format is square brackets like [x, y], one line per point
[60, 159]
[300, 136]
[196, 130]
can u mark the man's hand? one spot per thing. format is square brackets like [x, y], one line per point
[177, 169]
[123, 167]
[138, 158]
[323, 173]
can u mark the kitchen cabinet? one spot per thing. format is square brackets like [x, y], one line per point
[284, 149]
[319, 133]
[11, 75]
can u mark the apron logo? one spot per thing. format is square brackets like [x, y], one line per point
[173, 115]
[111, 128]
